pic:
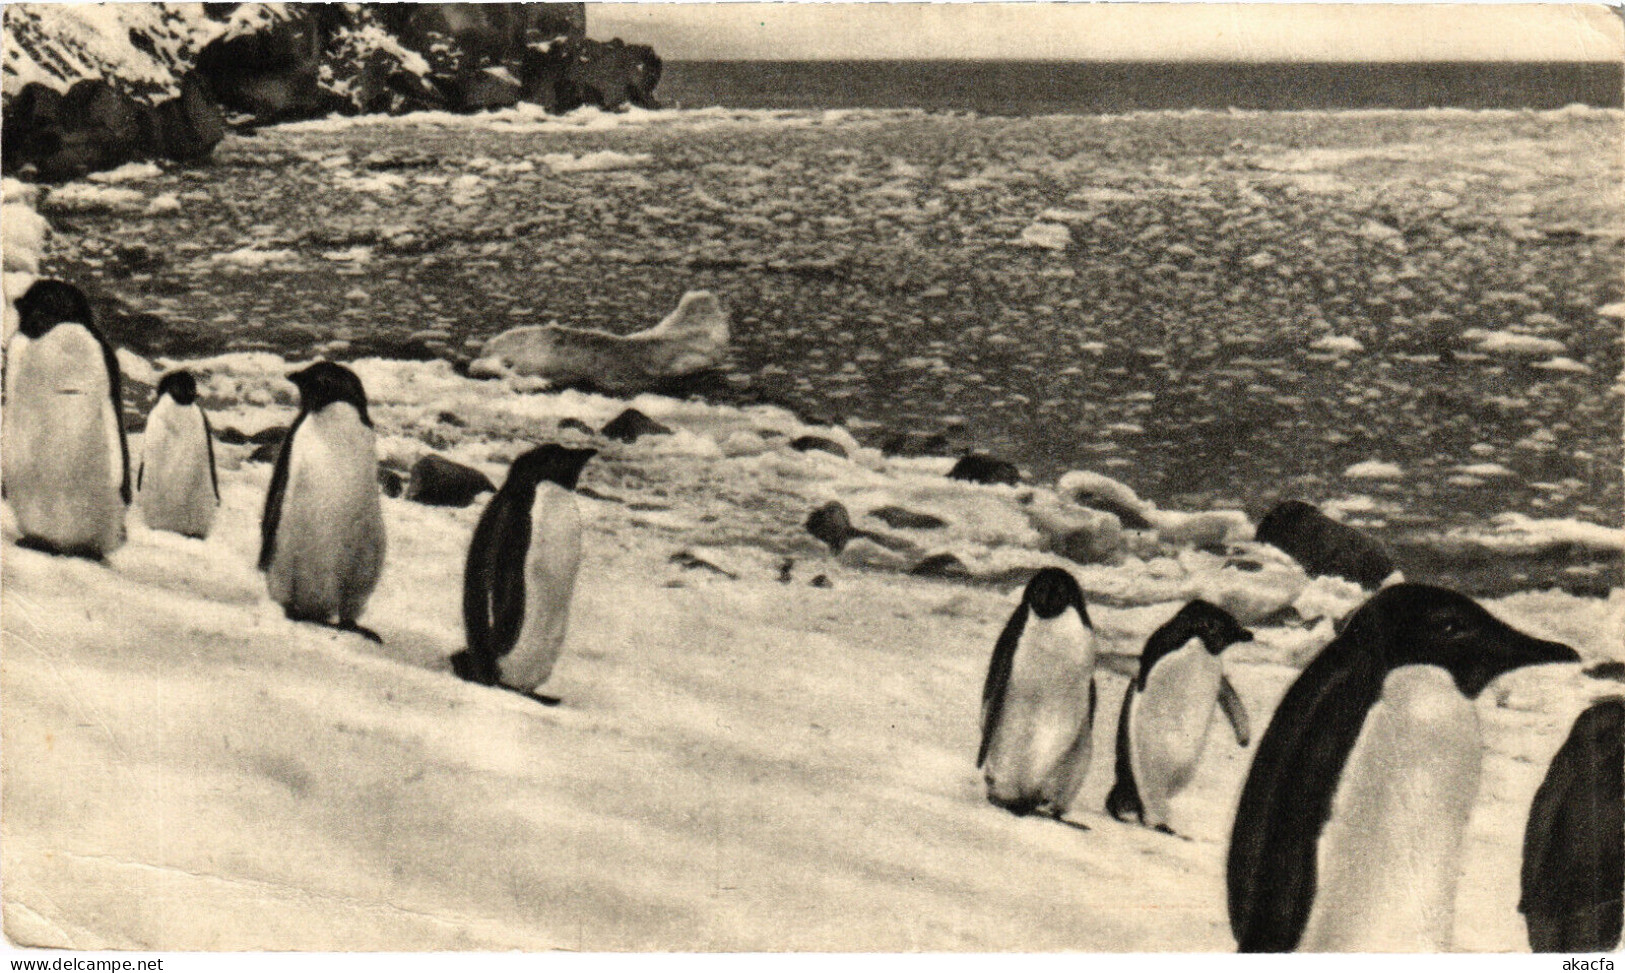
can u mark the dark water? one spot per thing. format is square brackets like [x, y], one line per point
[1054, 87]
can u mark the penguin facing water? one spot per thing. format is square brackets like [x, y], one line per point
[1573, 876]
[521, 574]
[1349, 832]
[65, 462]
[1038, 703]
[322, 534]
[1168, 707]
[177, 488]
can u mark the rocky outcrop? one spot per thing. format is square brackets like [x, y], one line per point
[91, 86]
[1323, 546]
[691, 341]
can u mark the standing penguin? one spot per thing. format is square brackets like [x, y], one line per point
[521, 573]
[1349, 831]
[1038, 704]
[176, 486]
[65, 463]
[1168, 707]
[1573, 870]
[322, 535]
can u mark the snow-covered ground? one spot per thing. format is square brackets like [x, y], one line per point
[740, 762]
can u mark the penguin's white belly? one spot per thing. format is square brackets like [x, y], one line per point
[1391, 852]
[176, 490]
[60, 457]
[330, 538]
[550, 579]
[1046, 705]
[1169, 722]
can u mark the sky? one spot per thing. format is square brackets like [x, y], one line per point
[1115, 31]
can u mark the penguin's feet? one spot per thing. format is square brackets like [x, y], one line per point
[1079, 825]
[1164, 829]
[1019, 806]
[533, 696]
[362, 631]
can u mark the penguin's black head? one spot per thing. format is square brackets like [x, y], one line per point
[1415, 624]
[1217, 628]
[553, 463]
[180, 386]
[325, 383]
[48, 303]
[1052, 591]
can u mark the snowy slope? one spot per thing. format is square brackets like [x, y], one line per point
[738, 764]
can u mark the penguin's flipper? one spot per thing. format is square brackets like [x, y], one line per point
[141, 474]
[1234, 710]
[998, 678]
[1271, 865]
[115, 386]
[273, 497]
[1124, 798]
[494, 579]
[208, 444]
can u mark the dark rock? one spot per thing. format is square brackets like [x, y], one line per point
[1130, 518]
[907, 519]
[187, 127]
[802, 444]
[785, 568]
[1086, 546]
[915, 444]
[265, 452]
[1323, 546]
[451, 419]
[832, 525]
[270, 434]
[692, 562]
[565, 74]
[977, 468]
[595, 495]
[631, 425]
[821, 581]
[1607, 670]
[440, 482]
[573, 423]
[231, 436]
[941, 566]
[390, 481]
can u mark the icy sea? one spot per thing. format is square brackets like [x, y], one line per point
[1412, 317]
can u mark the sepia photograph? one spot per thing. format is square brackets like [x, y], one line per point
[862, 478]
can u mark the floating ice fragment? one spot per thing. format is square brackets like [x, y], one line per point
[1374, 470]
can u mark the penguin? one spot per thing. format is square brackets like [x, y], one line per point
[1038, 703]
[1573, 880]
[1167, 708]
[521, 574]
[176, 486]
[65, 462]
[322, 534]
[1349, 831]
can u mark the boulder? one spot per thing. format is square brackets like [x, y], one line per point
[1103, 493]
[691, 341]
[390, 481]
[187, 127]
[915, 444]
[977, 468]
[803, 444]
[440, 482]
[1323, 546]
[941, 566]
[631, 425]
[832, 525]
[907, 519]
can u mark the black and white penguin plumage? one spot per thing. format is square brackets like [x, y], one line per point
[322, 535]
[176, 486]
[521, 573]
[65, 462]
[1573, 870]
[1349, 832]
[1038, 703]
[1168, 707]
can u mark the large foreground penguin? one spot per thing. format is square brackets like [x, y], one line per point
[1574, 846]
[322, 534]
[176, 486]
[521, 573]
[1038, 703]
[1349, 831]
[1168, 707]
[64, 460]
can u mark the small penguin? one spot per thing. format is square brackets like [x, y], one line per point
[1349, 832]
[65, 462]
[521, 574]
[1038, 704]
[322, 535]
[1573, 872]
[1167, 708]
[176, 486]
